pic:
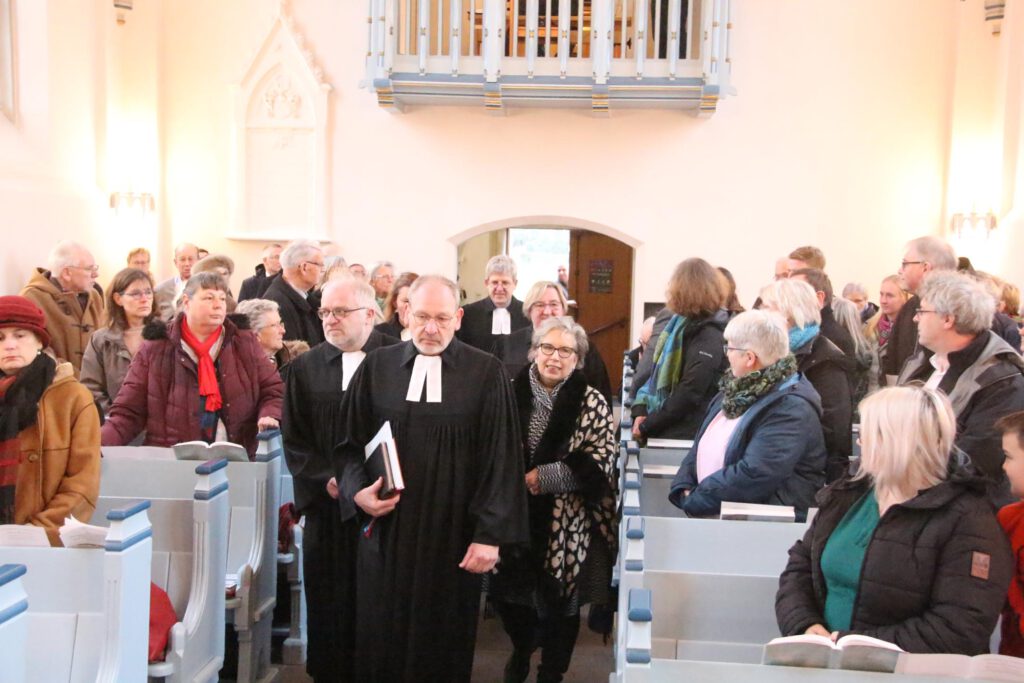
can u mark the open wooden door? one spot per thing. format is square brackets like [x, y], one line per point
[601, 283]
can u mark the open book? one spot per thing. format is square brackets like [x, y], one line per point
[382, 462]
[200, 450]
[23, 535]
[856, 652]
[669, 443]
[75, 534]
[753, 512]
[987, 667]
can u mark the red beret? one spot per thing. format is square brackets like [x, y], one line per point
[17, 311]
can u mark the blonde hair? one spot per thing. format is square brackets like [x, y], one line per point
[906, 437]
[795, 300]
[537, 291]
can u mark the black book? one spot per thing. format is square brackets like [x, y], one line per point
[382, 462]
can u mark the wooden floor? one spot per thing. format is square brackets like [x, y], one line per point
[591, 663]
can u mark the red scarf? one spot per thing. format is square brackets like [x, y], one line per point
[208, 386]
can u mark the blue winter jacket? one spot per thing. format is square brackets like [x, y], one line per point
[776, 455]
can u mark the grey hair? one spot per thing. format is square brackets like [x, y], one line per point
[794, 299]
[845, 312]
[269, 248]
[209, 280]
[255, 309]
[500, 265]
[424, 280]
[961, 296]
[563, 324]
[297, 252]
[64, 255]
[365, 296]
[332, 261]
[182, 246]
[762, 332]
[854, 288]
[380, 264]
[934, 251]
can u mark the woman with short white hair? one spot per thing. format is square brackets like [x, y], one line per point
[264, 318]
[826, 367]
[761, 440]
[906, 550]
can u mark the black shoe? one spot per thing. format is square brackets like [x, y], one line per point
[517, 668]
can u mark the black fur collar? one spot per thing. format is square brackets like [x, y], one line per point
[157, 329]
[565, 412]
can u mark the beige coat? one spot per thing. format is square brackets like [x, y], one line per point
[69, 326]
[59, 471]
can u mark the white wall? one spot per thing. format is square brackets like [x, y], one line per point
[839, 136]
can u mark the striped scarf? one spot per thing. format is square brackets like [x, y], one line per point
[19, 403]
[668, 366]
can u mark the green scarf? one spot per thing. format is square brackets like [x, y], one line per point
[669, 356]
[743, 392]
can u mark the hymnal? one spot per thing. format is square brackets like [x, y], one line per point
[856, 652]
[382, 462]
[753, 512]
[75, 534]
[985, 667]
[200, 450]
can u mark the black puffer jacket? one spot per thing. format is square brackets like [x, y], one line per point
[682, 413]
[934, 577]
[832, 374]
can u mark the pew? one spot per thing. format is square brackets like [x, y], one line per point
[189, 560]
[254, 496]
[13, 621]
[644, 664]
[293, 650]
[88, 608]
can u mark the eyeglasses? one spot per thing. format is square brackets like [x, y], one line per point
[904, 264]
[89, 269]
[139, 294]
[726, 349]
[563, 351]
[442, 321]
[922, 311]
[320, 265]
[339, 313]
[552, 306]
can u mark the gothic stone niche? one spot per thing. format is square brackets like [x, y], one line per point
[281, 125]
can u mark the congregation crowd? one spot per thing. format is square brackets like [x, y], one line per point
[901, 422]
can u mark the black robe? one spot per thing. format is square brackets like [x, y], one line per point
[392, 327]
[312, 426]
[464, 484]
[298, 313]
[514, 351]
[476, 323]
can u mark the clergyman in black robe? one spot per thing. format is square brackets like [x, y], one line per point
[422, 552]
[486, 322]
[312, 425]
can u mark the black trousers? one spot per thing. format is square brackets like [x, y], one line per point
[555, 635]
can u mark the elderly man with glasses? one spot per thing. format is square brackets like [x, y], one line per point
[982, 375]
[70, 298]
[302, 264]
[316, 384]
[422, 551]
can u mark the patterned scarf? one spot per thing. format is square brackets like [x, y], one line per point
[743, 392]
[668, 366]
[543, 404]
[19, 403]
[798, 336]
[884, 331]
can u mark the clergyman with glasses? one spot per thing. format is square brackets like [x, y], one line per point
[302, 264]
[422, 552]
[71, 300]
[312, 425]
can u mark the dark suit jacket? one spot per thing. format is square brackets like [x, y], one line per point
[297, 313]
[476, 323]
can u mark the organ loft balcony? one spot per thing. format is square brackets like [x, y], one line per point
[601, 54]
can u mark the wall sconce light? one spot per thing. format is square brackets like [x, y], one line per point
[122, 6]
[143, 201]
[994, 11]
[966, 224]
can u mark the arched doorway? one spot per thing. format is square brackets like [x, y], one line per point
[599, 273]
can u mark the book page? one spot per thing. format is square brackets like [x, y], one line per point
[997, 668]
[857, 639]
[75, 534]
[934, 665]
[802, 650]
[24, 536]
[864, 653]
[757, 512]
[383, 434]
[669, 443]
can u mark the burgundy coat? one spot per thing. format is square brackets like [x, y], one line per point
[161, 391]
